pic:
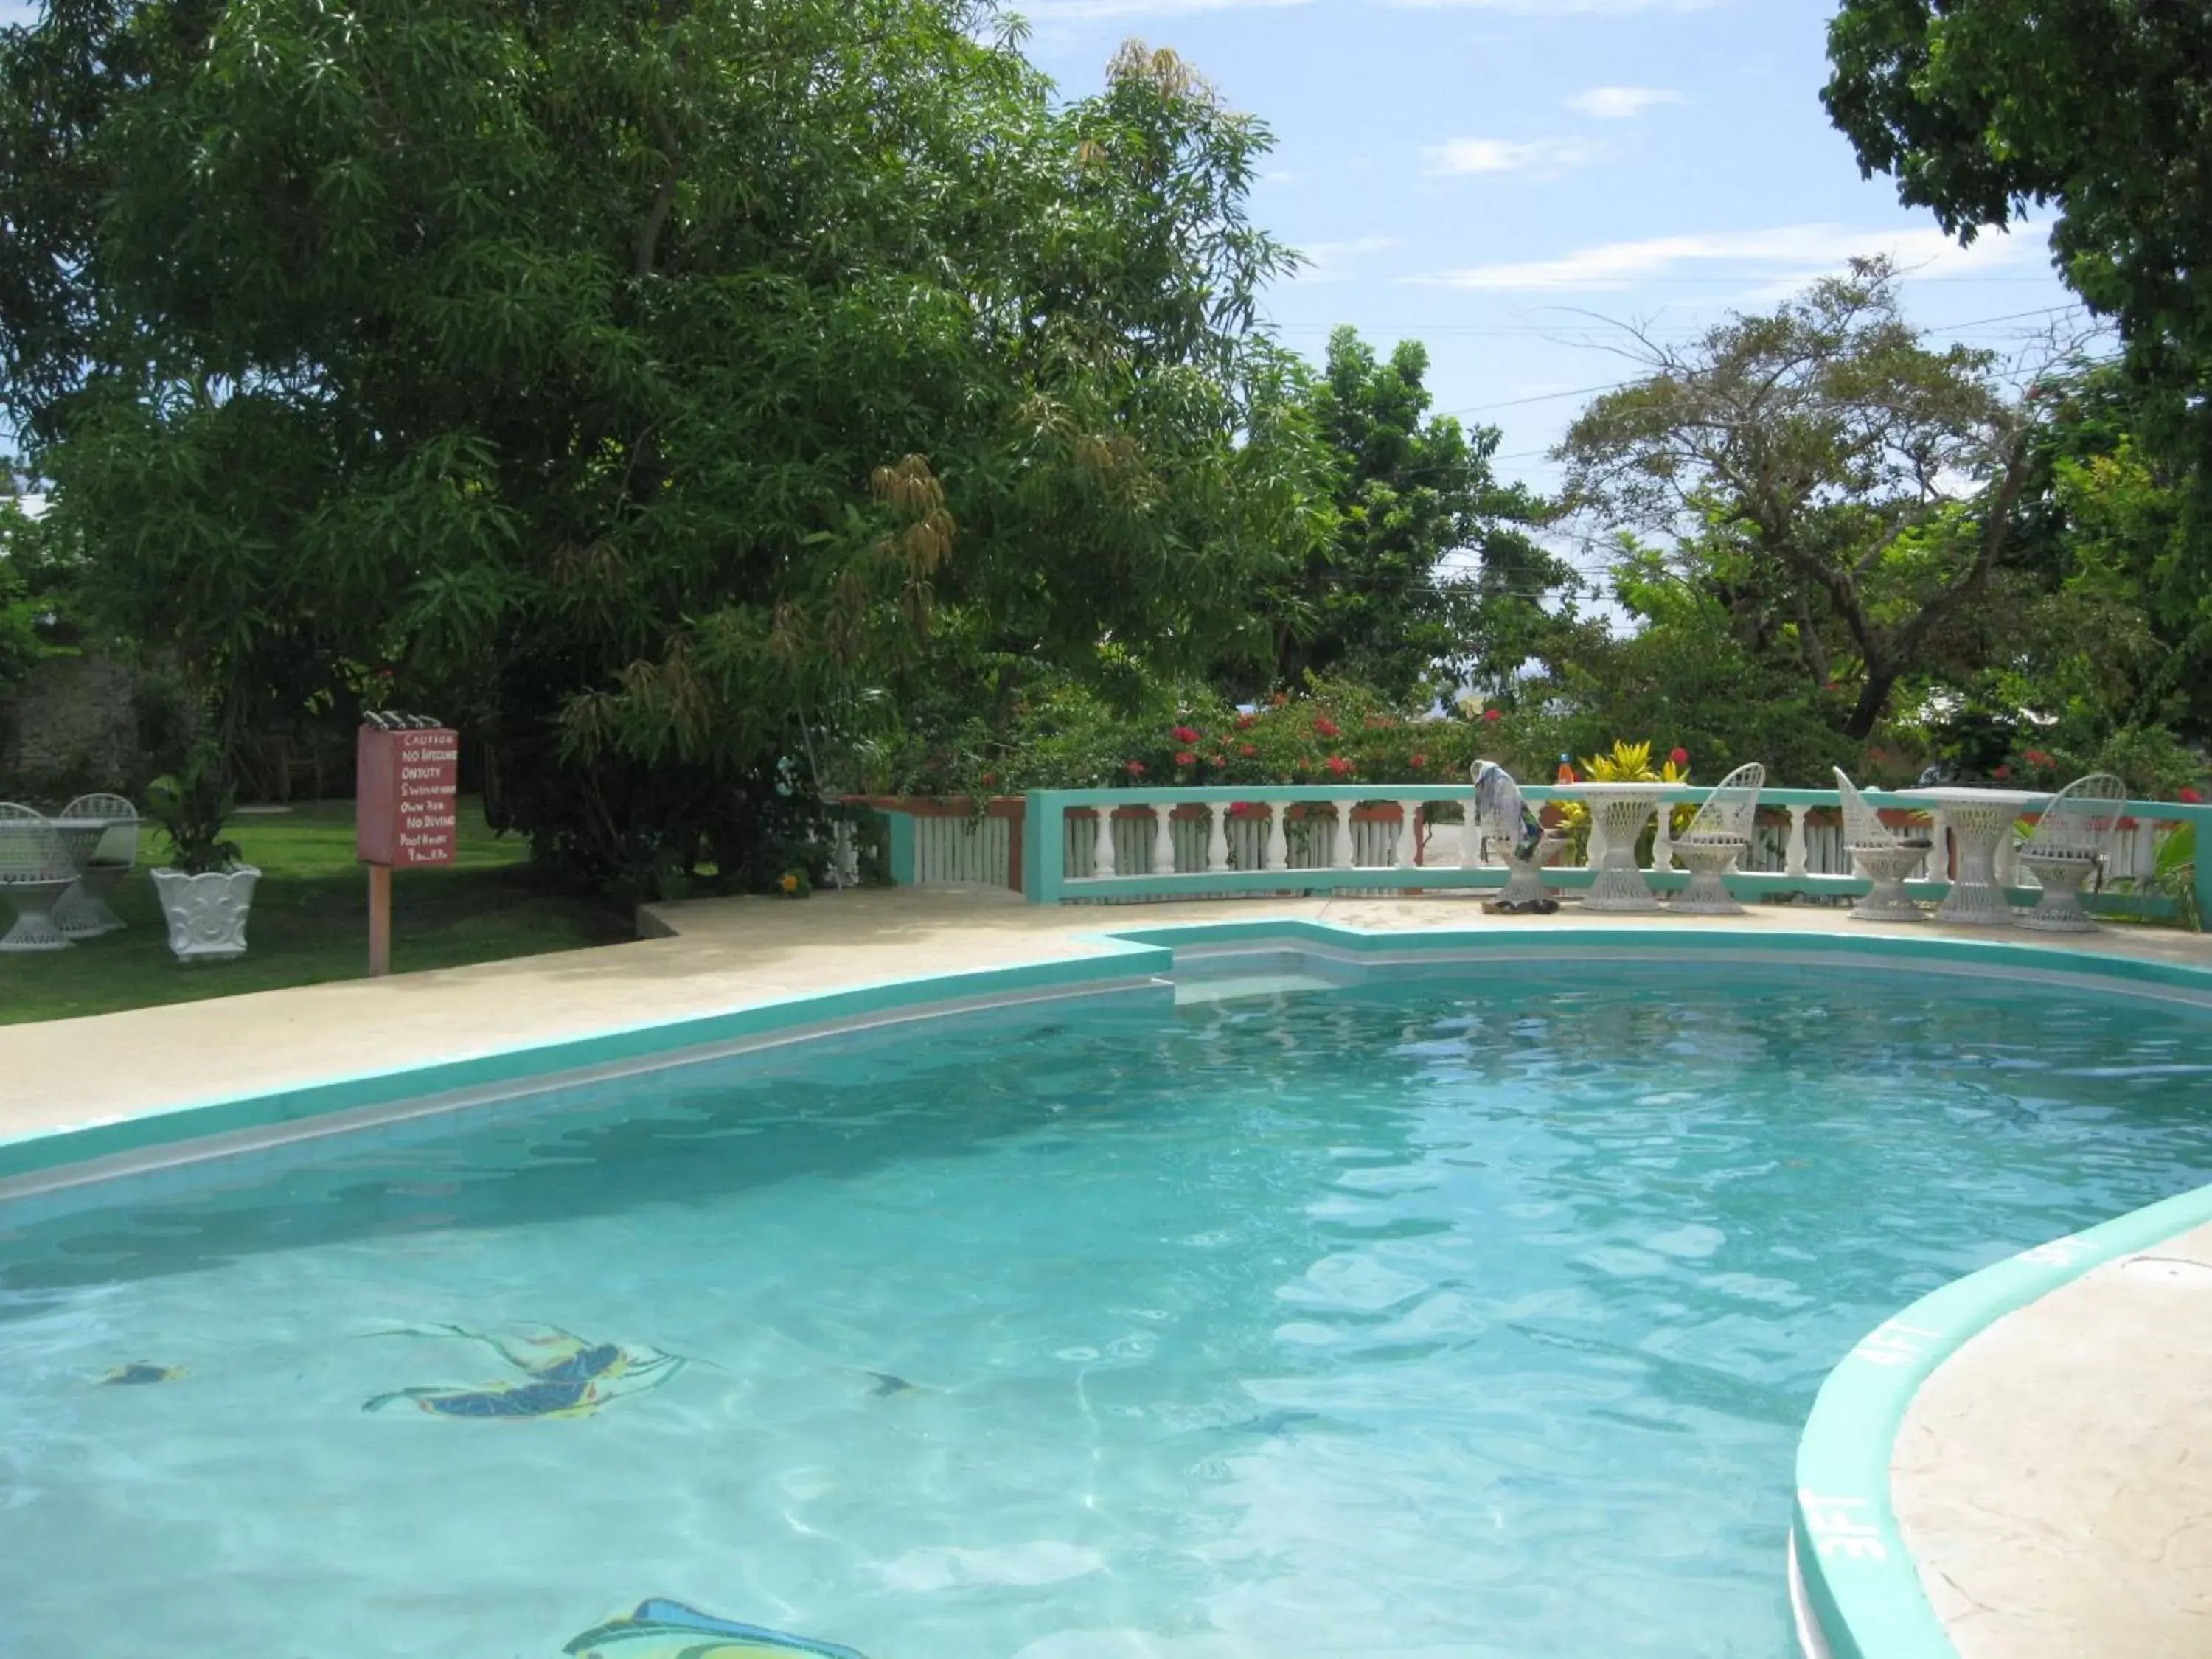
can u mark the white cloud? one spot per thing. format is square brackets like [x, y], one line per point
[1333, 262]
[1461, 156]
[1781, 258]
[1622, 103]
[1050, 11]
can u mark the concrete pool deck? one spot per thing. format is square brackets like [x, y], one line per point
[2043, 1477]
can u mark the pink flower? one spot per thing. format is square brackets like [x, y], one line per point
[1245, 722]
[2036, 757]
[1338, 764]
[1326, 727]
[1136, 769]
[1419, 761]
[2192, 797]
[1493, 713]
[1183, 734]
[990, 777]
[1247, 750]
[2001, 772]
[1184, 757]
[1679, 756]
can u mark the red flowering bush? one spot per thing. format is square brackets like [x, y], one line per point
[1066, 736]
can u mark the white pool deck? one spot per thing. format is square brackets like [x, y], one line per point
[2054, 1477]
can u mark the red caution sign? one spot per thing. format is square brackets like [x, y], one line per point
[407, 812]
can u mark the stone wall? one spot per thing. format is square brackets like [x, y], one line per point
[71, 724]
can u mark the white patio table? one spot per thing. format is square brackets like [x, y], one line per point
[1981, 819]
[79, 839]
[1619, 812]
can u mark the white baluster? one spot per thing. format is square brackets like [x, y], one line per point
[1409, 833]
[1470, 840]
[1102, 844]
[1662, 838]
[1216, 838]
[1279, 835]
[2008, 858]
[1794, 857]
[1163, 839]
[1939, 855]
[1597, 847]
[1340, 849]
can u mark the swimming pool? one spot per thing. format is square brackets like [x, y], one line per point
[1416, 1318]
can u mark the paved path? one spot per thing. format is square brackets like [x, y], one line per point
[2055, 1477]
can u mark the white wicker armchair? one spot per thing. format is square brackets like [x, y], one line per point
[1717, 836]
[83, 911]
[1882, 856]
[2070, 844]
[35, 871]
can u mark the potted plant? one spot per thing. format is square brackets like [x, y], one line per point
[205, 892]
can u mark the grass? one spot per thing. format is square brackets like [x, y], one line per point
[310, 921]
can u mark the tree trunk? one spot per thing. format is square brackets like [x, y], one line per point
[1873, 703]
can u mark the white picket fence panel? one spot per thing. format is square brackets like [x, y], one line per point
[962, 852]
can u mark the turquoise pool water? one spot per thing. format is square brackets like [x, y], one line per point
[1420, 1319]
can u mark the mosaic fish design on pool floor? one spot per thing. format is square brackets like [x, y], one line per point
[139, 1374]
[565, 1376]
[662, 1629]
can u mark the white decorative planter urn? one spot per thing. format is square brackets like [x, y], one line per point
[207, 913]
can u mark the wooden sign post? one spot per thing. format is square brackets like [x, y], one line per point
[406, 813]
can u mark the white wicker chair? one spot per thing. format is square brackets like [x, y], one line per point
[1882, 856]
[1501, 834]
[1717, 836]
[83, 911]
[2071, 842]
[35, 871]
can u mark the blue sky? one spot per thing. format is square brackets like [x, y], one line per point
[1500, 177]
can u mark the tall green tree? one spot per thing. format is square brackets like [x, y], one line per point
[1982, 109]
[2118, 634]
[1847, 495]
[664, 390]
[1428, 572]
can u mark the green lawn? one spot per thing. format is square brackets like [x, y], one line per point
[310, 921]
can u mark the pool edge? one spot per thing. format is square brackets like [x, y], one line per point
[1858, 1579]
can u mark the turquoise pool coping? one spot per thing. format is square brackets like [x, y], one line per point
[534, 1065]
[1850, 1563]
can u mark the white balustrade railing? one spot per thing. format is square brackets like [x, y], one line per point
[1129, 845]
